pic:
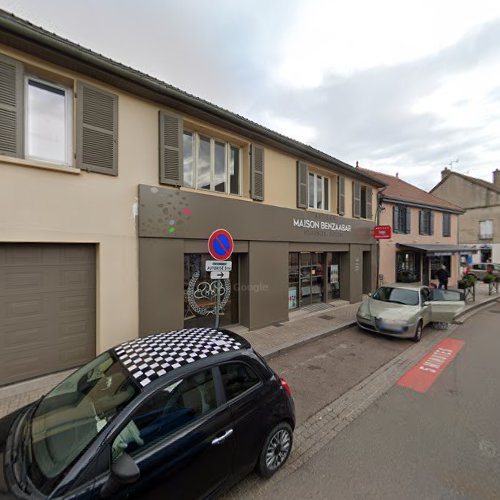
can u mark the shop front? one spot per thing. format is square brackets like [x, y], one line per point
[420, 263]
[284, 259]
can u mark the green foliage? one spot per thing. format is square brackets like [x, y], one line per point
[467, 281]
[489, 278]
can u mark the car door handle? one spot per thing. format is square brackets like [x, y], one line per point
[221, 439]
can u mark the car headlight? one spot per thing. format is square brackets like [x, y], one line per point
[363, 313]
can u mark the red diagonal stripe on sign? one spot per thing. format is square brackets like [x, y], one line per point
[221, 244]
[421, 377]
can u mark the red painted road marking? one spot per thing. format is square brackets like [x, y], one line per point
[421, 377]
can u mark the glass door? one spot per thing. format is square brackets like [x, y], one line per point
[317, 277]
[305, 279]
[293, 280]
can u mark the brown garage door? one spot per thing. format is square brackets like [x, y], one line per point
[47, 308]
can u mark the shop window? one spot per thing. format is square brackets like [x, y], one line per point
[437, 263]
[319, 191]
[211, 164]
[293, 280]
[200, 293]
[407, 267]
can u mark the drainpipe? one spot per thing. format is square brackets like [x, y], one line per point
[379, 210]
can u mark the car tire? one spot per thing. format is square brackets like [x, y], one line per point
[418, 331]
[276, 450]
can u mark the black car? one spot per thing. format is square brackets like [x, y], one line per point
[182, 414]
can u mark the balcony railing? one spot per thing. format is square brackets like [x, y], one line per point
[485, 236]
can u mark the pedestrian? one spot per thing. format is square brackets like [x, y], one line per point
[442, 276]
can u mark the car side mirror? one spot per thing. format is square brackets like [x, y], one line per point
[123, 471]
[369, 294]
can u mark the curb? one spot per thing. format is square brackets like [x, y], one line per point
[286, 348]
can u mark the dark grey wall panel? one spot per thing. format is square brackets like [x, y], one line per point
[161, 285]
[268, 280]
[172, 213]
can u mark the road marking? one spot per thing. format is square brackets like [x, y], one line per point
[421, 377]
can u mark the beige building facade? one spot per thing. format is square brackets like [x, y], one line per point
[110, 185]
[424, 234]
[480, 224]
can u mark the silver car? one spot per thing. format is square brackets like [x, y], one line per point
[481, 270]
[404, 311]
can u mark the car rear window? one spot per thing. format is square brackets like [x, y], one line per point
[237, 378]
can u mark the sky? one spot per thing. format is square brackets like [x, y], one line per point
[400, 87]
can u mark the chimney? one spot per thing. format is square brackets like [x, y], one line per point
[445, 172]
[496, 178]
[357, 164]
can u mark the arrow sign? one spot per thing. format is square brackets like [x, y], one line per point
[219, 275]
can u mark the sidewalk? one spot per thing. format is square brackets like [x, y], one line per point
[304, 326]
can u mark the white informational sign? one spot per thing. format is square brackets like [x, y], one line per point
[219, 275]
[218, 265]
[334, 274]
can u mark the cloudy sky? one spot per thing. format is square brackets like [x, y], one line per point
[398, 86]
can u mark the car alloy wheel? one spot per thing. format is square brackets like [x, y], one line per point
[276, 450]
[418, 331]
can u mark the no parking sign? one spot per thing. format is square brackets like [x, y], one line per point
[220, 244]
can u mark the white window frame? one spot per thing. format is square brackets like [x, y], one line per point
[68, 120]
[323, 198]
[228, 145]
[484, 235]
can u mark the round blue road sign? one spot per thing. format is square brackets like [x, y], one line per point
[220, 244]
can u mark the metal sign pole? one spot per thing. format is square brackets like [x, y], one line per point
[217, 305]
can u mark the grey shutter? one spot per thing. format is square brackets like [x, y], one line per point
[356, 199]
[431, 222]
[408, 220]
[341, 195]
[11, 107]
[96, 130]
[171, 149]
[369, 211]
[257, 173]
[301, 185]
[421, 220]
[395, 218]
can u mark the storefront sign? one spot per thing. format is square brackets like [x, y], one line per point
[321, 224]
[382, 232]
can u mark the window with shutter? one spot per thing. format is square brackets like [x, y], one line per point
[171, 144]
[341, 195]
[395, 219]
[356, 199]
[11, 107]
[446, 224]
[421, 229]
[257, 173]
[301, 185]
[97, 130]
[431, 222]
[369, 209]
[408, 221]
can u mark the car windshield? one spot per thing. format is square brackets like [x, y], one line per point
[397, 295]
[69, 418]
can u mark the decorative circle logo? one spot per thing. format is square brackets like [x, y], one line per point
[207, 291]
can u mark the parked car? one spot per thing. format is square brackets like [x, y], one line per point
[182, 414]
[404, 311]
[481, 270]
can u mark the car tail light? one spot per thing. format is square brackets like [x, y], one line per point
[286, 386]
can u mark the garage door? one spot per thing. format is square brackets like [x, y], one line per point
[47, 308]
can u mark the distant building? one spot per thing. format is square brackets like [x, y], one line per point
[480, 224]
[424, 233]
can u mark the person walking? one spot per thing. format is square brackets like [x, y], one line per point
[442, 276]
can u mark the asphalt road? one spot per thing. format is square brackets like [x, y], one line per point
[321, 371]
[444, 443]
